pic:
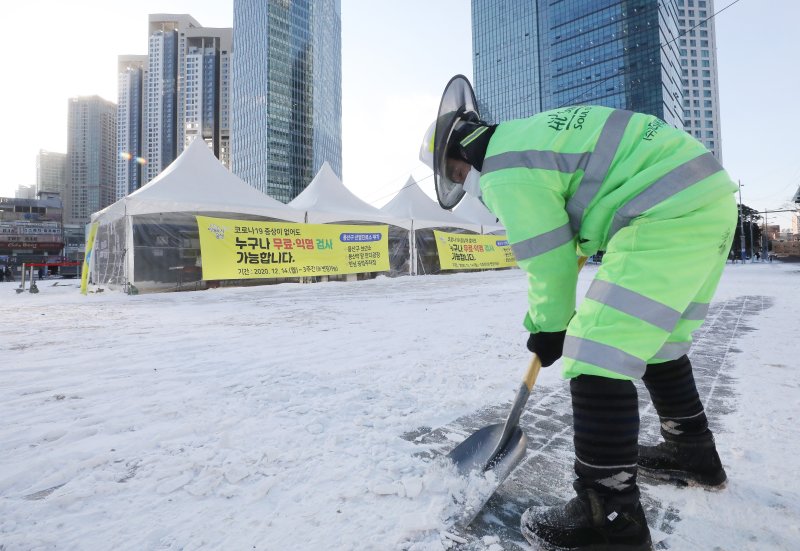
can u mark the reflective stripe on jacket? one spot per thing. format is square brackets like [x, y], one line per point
[574, 177]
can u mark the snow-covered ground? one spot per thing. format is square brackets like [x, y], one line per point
[270, 418]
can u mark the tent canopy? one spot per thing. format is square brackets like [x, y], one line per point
[412, 202]
[327, 200]
[197, 182]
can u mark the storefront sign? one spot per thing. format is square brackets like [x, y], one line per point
[46, 242]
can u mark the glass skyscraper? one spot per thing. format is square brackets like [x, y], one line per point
[287, 93]
[535, 55]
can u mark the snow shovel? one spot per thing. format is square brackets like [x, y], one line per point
[499, 447]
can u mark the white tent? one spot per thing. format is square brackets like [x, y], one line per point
[149, 239]
[197, 182]
[426, 215]
[326, 200]
[474, 210]
[411, 202]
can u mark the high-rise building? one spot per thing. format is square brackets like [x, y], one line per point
[131, 73]
[51, 172]
[698, 54]
[535, 55]
[91, 157]
[287, 93]
[205, 90]
[179, 90]
[163, 106]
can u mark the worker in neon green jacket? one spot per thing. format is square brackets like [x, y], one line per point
[580, 180]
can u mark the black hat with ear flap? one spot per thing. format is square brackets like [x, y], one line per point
[464, 133]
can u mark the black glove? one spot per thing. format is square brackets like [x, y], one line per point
[548, 346]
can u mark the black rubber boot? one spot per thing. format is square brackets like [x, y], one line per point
[606, 514]
[592, 521]
[688, 454]
[691, 460]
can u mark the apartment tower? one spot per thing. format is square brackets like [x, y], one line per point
[165, 73]
[698, 54]
[205, 90]
[91, 157]
[131, 78]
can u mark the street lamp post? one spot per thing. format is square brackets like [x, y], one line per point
[741, 220]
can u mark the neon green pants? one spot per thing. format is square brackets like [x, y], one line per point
[650, 293]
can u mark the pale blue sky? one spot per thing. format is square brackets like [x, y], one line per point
[396, 58]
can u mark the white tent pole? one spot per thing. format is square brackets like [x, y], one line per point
[129, 259]
[412, 246]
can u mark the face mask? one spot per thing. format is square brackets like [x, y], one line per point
[472, 183]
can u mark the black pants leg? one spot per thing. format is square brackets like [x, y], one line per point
[606, 422]
[674, 395]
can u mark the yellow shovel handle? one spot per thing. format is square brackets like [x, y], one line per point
[533, 371]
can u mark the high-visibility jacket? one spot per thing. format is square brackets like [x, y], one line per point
[570, 179]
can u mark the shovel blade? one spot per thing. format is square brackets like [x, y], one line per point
[482, 451]
[479, 452]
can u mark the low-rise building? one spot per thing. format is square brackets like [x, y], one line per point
[786, 250]
[31, 231]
